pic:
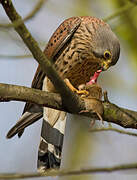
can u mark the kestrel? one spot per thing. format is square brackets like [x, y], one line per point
[78, 48]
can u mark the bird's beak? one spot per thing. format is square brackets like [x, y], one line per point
[105, 65]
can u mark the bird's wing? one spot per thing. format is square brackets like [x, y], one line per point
[26, 119]
[60, 37]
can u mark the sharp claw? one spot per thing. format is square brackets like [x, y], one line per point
[82, 92]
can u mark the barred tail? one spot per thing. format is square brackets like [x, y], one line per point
[52, 134]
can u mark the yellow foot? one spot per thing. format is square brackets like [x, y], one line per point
[80, 92]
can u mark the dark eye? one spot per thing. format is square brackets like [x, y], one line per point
[107, 54]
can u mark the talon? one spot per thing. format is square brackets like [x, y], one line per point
[68, 83]
[80, 92]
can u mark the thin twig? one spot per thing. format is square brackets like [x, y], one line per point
[120, 11]
[15, 56]
[16, 23]
[113, 129]
[122, 167]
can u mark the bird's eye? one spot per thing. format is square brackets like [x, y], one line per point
[107, 54]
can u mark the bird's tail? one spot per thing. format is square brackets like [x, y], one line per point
[52, 134]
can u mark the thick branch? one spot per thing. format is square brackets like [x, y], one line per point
[71, 101]
[123, 117]
[71, 172]
[112, 113]
[20, 93]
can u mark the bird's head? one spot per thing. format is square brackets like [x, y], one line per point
[106, 47]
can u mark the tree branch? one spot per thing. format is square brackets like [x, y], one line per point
[24, 56]
[70, 172]
[112, 113]
[20, 93]
[122, 10]
[113, 129]
[121, 116]
[36, 9]
[69, 99]
[71, 102]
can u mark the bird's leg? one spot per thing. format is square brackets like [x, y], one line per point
[80, 92]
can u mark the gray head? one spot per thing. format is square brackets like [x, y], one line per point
[106, 46]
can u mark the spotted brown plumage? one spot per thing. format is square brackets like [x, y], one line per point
[78, 48]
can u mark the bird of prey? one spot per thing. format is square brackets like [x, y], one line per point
[78, 48]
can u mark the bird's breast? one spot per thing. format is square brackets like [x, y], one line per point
[78, 70]
[76, 61]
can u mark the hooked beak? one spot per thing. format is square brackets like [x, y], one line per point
[105, 65]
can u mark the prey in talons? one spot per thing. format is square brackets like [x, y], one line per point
[91, 94]
[93, 99]
[72, 88]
